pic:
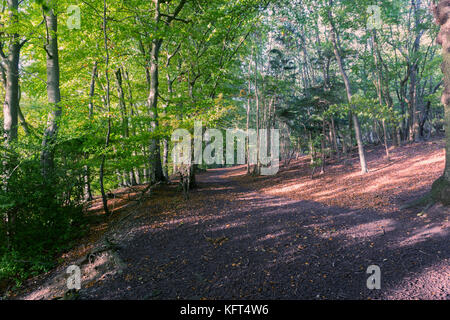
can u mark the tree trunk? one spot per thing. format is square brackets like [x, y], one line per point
[336, 45]
[107, 102]
[92, 90]
[334, 138]
[11, 104]
[53, 92]
[257, 170]
[386, 147]
[10, 111]
[413, 116]
[124, 113]
[415, 120]
[87, 177]
[441, 188]
[165, 142]
[398, 136]
[382, 87]
[133, 176]
[152, 102]
[170, 81]
[322, 147]
[248, 110]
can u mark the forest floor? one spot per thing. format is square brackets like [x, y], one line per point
[278, 237]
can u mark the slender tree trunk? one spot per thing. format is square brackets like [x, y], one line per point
[258, 165]
[191, 182]
[322, 147]
[87, 178]
[311, 148]
[107, 102]
[92, 90]
[165, 142]
[382, 87]
[336, 45]
[133, 176]
[248, 110]
[334, 137]
[402, 98]
[344, 147]
[248, 138]
[23, 122]
[413, 128]
[165, 161]
[53, 92]
[415, 119]
[386, 147]
[124, 113]
[398, 135]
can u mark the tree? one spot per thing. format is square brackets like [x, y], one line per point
[159, 19]
[9, 65]
[53, 90]
[441, 188]
[338, 54]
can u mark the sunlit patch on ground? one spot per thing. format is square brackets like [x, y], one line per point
[411, 171]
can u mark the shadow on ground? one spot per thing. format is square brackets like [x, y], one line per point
[234, 243]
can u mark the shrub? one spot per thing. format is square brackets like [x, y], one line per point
[40, 218]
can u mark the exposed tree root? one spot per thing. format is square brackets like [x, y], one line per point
[426, 201]
[108, 246]
[91, 256]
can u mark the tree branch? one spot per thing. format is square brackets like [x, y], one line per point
[173, 16]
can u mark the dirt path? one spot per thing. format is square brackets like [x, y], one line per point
[231, 242]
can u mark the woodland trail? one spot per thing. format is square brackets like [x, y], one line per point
[234, 243]
[118, 92]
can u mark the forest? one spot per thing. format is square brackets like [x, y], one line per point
[355, 93]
